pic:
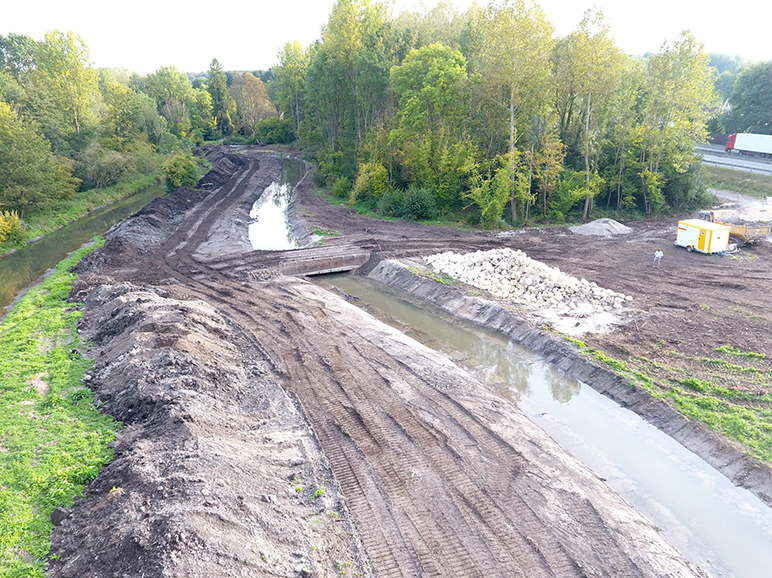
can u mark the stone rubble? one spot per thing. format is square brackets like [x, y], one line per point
[512, 276]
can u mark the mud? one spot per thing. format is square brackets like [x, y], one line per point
[274, 429]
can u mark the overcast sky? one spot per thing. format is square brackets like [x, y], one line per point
[143, 35]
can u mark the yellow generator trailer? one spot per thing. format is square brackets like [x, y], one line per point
[702, 236]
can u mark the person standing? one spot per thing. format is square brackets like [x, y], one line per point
[657, 258]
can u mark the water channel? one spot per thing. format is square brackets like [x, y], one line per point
[723, 529]
[269, 226]
[21, 269]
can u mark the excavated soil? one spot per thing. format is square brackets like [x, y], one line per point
[273, 429]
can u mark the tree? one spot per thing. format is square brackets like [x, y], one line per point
[678, 102]
[291, 75]
[588, 65]
[515, 68]
[751, 100]
[17, 56]
[173, 95]
[252, 104]
[63, 91]
[217, 86]
[30, 176]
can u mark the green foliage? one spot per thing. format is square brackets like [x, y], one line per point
[11, 228]
[341, 188]
[414, 204]
[572, 191]
[180, 170]
[274, 130]
[492, 195]
[30, 176]
[751, 101]
[372, 181]
[53, 439]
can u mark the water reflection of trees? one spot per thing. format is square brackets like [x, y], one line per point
[563, 387]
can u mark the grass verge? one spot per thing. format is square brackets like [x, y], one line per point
[53, 440]
[731, 394]
[63, 212]
[743, 182]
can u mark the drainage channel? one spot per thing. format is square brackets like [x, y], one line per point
[269, 226]
[723, 529]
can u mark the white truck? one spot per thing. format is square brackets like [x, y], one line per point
[750, 144]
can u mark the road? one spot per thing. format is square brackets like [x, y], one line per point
[714, 155]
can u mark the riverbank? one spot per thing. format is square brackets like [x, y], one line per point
[45, 222]
[53, 440]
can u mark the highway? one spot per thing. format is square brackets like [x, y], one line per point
[715, 156]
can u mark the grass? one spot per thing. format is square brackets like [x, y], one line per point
[711, 396]
[53, 440]
[743, 182]
[61, 213]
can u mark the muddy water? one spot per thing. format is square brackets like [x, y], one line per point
[269, 227]
[21, 269]
[721, 528]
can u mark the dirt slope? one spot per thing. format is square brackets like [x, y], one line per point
[274, 429]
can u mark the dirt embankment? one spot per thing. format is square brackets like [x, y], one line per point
[274, 429]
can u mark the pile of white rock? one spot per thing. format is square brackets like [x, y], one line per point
[513, 276]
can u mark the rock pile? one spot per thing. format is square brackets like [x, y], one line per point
[513, 276]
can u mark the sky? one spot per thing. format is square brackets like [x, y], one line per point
[143, 35]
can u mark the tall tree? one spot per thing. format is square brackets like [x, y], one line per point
[679, 102]
[515, 67]
[251, 99]
[217, 86]
[64, 89]
[291, 75]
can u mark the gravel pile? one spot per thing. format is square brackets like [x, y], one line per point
[513, 276]
[601, 228]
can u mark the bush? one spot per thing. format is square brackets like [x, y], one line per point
[414, 204]
[11, 227]
[341, 187]
[372, 181]
[180, 170]
[274, 130]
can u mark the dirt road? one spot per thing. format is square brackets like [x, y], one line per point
[274, 429]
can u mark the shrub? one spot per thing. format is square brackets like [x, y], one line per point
[341, 187]
[415, 203]
[180, 170]
[372, 181]
[11, 227]
[274, 130]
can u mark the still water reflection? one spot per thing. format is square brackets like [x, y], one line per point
[269, 227]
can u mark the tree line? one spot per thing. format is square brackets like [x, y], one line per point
[66, 126]
[489, 113]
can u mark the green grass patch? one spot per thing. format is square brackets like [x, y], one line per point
[740, 415]
[48, 220]
[749, 425]
[743, 182]
[53, 440]
[736, 352]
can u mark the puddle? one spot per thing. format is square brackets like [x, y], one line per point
[269, 227]
[723, 529]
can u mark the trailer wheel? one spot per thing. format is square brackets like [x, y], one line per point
[690, 248]
[736, 241]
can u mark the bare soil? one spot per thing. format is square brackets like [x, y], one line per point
[273, 429]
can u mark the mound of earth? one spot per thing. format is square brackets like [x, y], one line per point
[601, 228]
